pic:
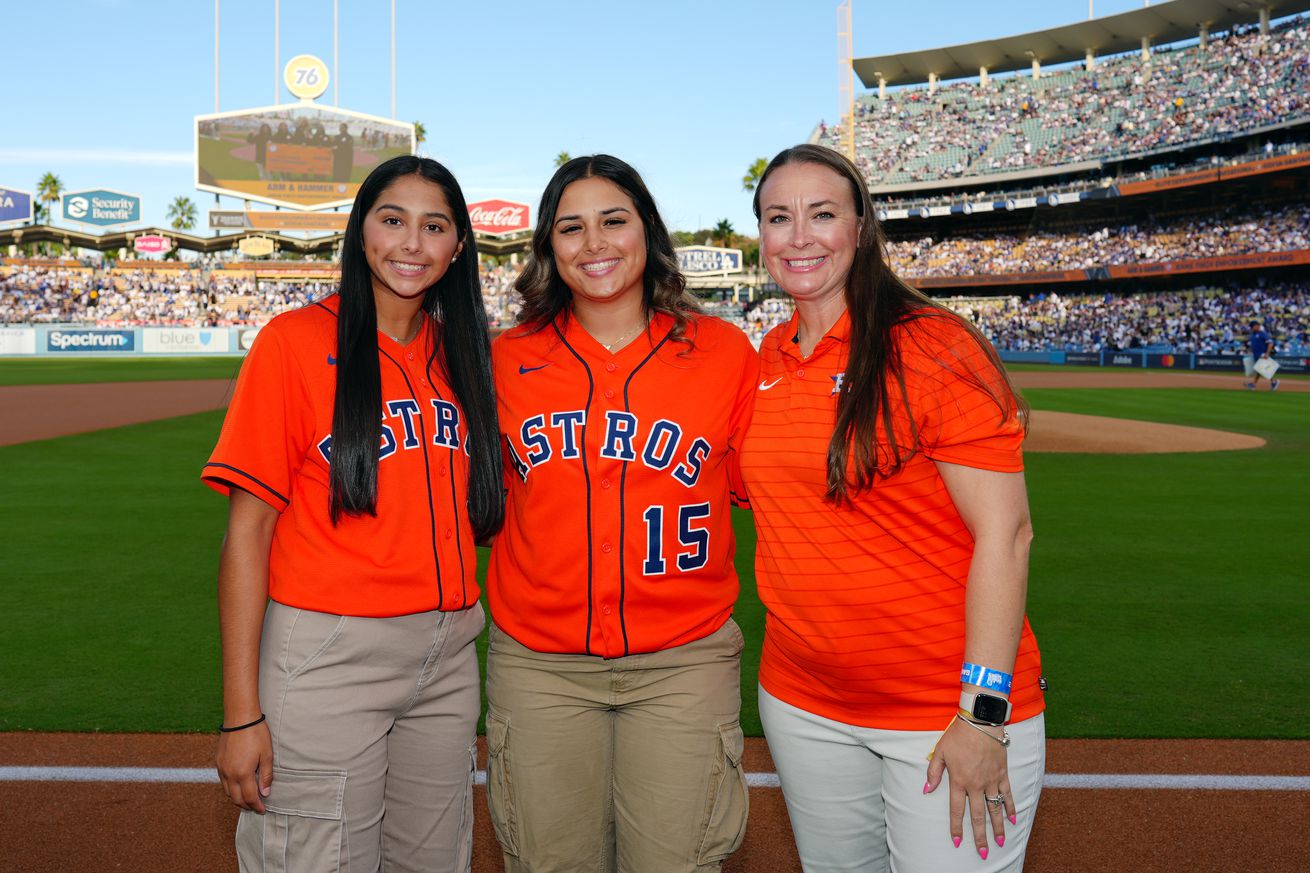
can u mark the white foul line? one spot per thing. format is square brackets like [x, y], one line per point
[1084, 781]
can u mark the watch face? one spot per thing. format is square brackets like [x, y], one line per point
[992, 710]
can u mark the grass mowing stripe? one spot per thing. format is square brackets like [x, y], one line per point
[1154, 576]
[69, 370]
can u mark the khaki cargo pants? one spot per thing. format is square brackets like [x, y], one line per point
[631, 764]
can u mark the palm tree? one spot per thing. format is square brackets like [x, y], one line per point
[561, 159]
[48, 190]
[723, 230]
[182, 213]
[420, 133]
[753, 174]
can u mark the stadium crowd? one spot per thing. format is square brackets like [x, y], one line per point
[1206, 320]
[1228, 232]
[135, 298]
[1202, 320]
[1120, 106]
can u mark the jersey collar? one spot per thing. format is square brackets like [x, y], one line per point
[839, 333]
[577, 337]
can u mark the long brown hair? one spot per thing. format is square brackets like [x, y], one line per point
[664, 289]
[879, 302]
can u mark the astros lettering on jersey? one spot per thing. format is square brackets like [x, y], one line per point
[417, 553]
[618, 536]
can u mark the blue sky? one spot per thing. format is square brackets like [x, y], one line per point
[103, 92]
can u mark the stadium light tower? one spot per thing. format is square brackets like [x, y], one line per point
[846, 78]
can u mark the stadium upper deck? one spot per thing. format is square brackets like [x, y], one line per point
[919, 138]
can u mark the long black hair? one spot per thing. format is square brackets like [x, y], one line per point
[664, 289]
[461, 351]
[879, 302]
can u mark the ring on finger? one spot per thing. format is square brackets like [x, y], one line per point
[998, 800]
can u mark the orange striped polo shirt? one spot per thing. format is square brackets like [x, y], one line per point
[866, 600]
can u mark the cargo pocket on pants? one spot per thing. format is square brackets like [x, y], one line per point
[302, 828]
[729, 801]
[500, 788]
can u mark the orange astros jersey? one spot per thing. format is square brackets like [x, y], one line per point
[866, 601]
[618, 538]
[417, 553]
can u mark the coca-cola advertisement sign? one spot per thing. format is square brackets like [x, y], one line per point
[499, 217]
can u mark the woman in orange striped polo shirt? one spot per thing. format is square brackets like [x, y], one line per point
[885, 469]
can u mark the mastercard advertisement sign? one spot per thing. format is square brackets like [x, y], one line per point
[298, 156]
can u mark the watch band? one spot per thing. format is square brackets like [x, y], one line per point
[986, 708]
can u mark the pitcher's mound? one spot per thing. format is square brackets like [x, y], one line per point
[1069, 432]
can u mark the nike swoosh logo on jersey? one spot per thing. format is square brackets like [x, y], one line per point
[765, 386]
[523, 371]
[332, 362]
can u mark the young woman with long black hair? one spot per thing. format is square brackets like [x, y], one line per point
[361, 459]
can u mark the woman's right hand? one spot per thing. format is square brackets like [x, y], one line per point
[245, 766]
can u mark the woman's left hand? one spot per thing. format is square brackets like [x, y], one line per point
[976, 769]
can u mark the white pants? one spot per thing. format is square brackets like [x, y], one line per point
[856, 802]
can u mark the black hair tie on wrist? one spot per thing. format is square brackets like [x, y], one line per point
[241, 727]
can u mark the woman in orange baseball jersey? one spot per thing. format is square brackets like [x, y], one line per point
[361, 460]
[613, 677]
[884, 467]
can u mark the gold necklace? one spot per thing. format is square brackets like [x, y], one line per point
[609, 346]
[407, 340]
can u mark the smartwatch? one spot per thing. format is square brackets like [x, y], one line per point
[985, 708]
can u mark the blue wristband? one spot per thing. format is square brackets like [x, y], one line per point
[985, 677]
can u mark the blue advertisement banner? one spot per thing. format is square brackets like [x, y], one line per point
[90, 340]
[101, 208]
[1169, 360]
[694, 260]
[1083, 359]
[1126, 358]
[15, 205]
[1219, 362]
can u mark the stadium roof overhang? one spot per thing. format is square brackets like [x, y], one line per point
[1161, 23]
[315, 246]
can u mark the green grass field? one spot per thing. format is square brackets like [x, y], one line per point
[1159, 582]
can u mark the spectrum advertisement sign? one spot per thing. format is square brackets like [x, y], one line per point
[101, 208]
[185, 341]
[15, 205]
[90, 340]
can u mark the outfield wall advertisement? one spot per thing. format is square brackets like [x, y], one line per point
[185, 341]
[17, 341]
[89, 340]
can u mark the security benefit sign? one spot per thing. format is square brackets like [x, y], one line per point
[300, 156]
[15, 205]
[703, 260]
[101, 208]
[185, 341]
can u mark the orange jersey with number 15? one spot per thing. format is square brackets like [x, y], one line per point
[618, 535]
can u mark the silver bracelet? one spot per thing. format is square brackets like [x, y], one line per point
[1003, 739]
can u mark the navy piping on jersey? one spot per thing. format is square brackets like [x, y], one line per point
[586, 478]
[427, 473]
[247, 475]
[623, 485]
